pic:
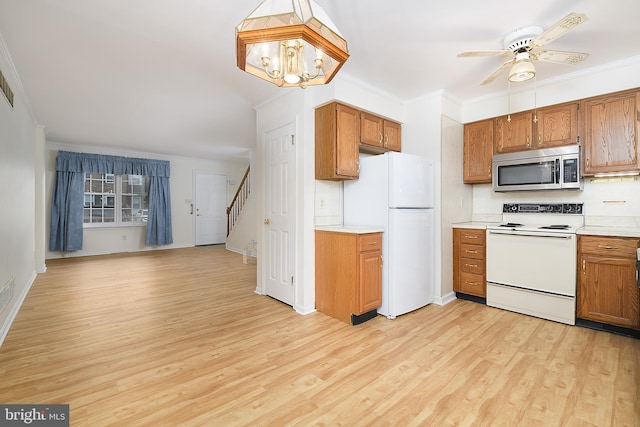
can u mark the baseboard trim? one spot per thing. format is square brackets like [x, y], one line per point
[13, 312]
[446, 299]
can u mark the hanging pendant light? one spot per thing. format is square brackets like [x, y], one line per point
[290, 43]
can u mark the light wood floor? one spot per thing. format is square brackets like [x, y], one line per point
[179, 338]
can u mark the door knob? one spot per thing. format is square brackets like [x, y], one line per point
[266, 221]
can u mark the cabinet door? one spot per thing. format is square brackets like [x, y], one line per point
[478, 149]
[607, 291]
[611, 133]
[348, 132]
[337, 136]
[557, 125]
[371, 130]
[370, 289]
[514, 135]
[392, 136]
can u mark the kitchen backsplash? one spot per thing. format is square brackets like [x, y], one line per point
[612, 202]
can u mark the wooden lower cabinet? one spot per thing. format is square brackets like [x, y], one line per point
[348, 274]
[469, 276]
[607, 285]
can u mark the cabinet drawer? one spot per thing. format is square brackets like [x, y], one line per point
[472, 284]
[370, 242]
[472, 237]
[473, 266]
[609, 246]
[471, 251]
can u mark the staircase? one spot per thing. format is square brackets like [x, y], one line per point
[233, 211]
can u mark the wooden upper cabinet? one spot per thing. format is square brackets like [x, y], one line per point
[478, 150]
[557, 125]
[371, 130]
[392, 136]
[379, 134]
[515, 134]
[611, 133]
[337, 138]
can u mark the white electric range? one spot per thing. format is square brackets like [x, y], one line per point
[531, 260]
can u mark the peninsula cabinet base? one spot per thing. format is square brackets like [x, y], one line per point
[357, 319]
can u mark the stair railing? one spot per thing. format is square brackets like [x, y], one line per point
[234, 209]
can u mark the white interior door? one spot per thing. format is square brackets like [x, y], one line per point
[278, 235]
[210, 208]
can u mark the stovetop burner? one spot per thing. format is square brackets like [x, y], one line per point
[555, 227]
[541, 217]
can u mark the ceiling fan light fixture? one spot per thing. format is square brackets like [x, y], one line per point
[522, 69]
[290, 43]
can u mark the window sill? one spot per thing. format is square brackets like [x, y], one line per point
[104, 226]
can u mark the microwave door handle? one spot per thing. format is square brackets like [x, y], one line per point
[558, 181]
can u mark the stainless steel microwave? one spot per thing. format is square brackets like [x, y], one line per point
[555, 168]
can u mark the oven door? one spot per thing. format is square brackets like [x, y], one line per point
[538, 261]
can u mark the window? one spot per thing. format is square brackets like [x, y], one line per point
[115, 199]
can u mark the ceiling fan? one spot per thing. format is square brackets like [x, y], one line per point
[524, 45]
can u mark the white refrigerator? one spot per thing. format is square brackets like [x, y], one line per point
[395, 192]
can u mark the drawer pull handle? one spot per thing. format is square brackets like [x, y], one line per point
[607, 247]
[472, 283]
[471, 237]
[471, 265]
[471, 252]
[372, 243]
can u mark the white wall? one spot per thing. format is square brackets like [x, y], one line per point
[456, 202]
[97, 241]
[19, 134]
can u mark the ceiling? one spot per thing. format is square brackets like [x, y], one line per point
[160, 76]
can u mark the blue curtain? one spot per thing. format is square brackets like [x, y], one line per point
[159, 221]
[68, 196]
[66, 212]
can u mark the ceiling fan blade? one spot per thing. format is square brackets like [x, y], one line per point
[567, 23]
[485, 53]
[560, 56]
[497, 72]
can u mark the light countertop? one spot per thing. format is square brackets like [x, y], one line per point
[481, 225]
[596, 230]
[349, 229]
[609, 231]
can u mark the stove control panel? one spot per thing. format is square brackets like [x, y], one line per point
[556, 208]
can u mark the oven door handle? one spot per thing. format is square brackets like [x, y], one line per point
[524, 233]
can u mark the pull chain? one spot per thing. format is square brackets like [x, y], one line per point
[535, 99]
[509, 101]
